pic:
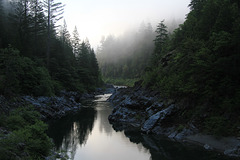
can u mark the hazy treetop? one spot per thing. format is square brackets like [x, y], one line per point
[95, 18]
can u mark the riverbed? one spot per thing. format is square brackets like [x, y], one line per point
[88, 135]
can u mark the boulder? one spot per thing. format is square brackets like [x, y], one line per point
[150, 123]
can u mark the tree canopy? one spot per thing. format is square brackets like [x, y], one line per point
[42, 56]
[200, 61]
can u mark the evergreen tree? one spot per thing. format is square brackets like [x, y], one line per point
[1, 23]
[54, 13]
[94, 64]
[75, 42]
[161, 38]
[65, 35]
[83, 56]
[21, 22]
[38, 26]
[71, 65]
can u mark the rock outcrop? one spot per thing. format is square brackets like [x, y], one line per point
[142, 109]
[52, 107]
[149, 113]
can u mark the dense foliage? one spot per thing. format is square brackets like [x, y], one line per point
[26, 138]
[200, 62]
[37, 59]
[21, 75]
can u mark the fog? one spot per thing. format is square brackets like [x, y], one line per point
[127, 55]
[97, 18]
[121, 32]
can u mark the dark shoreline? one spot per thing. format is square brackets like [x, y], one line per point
[149, 113]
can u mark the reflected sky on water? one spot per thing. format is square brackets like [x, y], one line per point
[89, 136]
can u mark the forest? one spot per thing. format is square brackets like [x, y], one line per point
[40, 57]
[125, 57]
[197, 63]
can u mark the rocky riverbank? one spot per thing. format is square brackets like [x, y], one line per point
[150, 113]
[22, 126]
[54, 107]
[48, 107]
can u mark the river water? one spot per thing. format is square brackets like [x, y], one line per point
[89, 136]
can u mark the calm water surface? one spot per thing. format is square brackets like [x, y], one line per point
[89, 136]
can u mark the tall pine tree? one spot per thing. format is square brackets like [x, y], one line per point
[54, 13]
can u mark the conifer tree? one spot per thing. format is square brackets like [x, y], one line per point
[162, 35]
[38, 25]
[1, 23]
[21, 22]
[83, 56]
[54, 13]
[65, 35]
[75, 42]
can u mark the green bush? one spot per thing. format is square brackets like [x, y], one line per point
[29, 142]
[27, 139]
[15, 122]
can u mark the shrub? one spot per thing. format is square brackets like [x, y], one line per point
[27, 139]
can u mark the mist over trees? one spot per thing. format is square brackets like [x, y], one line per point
[126, 56]
[38, 56]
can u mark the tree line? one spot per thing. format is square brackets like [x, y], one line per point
[126, 56]
[199, 62]
[38, 56]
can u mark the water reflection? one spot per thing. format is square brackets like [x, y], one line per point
[89, 136]
[102, 114]
[162, 148]
[73, 130]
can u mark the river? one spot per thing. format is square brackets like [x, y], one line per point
[88, 135]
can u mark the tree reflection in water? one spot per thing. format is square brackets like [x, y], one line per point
[72, 130]
[102, 116]
[88, 135]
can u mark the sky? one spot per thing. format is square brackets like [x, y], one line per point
[97, 18]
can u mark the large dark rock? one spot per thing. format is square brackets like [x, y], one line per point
[147, 112]
[144, 109]
[157, 117]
